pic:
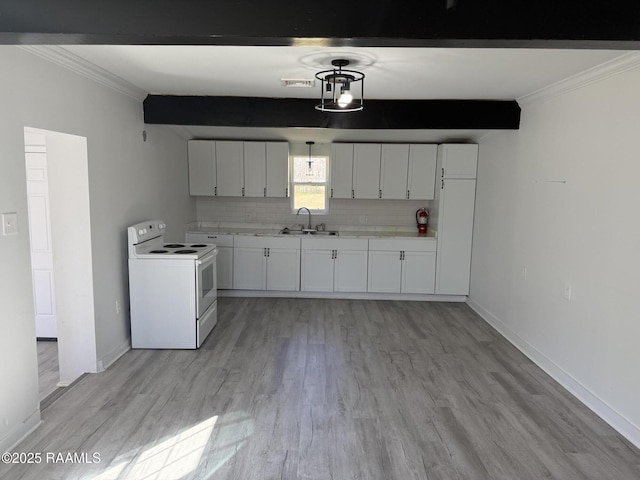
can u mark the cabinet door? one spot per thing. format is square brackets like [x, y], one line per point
[418, 272]
[341, 170]
[255, 169]
[283, 269]
[393, 171]
[277, 169]
[384, 272]
[202, 167]
[224, 264]
[249, 268]
[455, 230]
[350, 271]
[459, 160]
[229, 168]
[316, 271]
[366, 170]
[422, 171]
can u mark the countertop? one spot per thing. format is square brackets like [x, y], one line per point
[270, 230]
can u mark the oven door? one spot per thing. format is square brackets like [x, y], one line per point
[206, 283]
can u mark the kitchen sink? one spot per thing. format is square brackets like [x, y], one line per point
[286, 231]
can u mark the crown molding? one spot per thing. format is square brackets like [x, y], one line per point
[623, 63]
[76, 64]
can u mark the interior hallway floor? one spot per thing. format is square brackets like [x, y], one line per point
[329, 389]
[48, 367]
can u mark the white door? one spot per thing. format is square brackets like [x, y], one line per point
[283, 269]
[366, 170]
[229, 168]
[249, 268]
[317, 271]
[384, 271]
[350, 271]
[393, 171]
[418, 272]
[341, 170]
[41, 246]
[277, 169]
[255, 169]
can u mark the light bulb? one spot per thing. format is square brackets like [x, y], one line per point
[345, 98]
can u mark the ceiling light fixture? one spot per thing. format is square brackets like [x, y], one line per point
[337, 87]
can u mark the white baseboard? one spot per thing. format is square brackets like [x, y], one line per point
[115, 353]
[340, 295]
[622, 425]
[14, 438]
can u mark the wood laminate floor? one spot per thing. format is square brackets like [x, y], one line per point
[329, 389]
[48, 369]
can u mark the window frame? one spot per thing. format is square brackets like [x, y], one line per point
[325, 184]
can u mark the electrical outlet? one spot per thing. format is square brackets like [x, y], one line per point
[118, 308]
[523, 273]
[362, 219]
[567, 291]
[9, 223]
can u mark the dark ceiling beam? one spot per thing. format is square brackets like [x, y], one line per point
[411, 23]
[292, 112]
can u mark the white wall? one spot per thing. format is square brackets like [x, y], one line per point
[129, 181]
[584, 233]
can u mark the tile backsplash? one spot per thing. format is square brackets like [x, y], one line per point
[396, 214]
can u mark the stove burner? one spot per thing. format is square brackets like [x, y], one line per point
[198, 245]
[185, 251]
[158, 251]
[173, 245]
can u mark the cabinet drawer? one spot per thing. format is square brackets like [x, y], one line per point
[334, 243]
[251, 241]
[403, 244]
[218, 239]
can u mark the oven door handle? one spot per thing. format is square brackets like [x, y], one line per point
[208, 258]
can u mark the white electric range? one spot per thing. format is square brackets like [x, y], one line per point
[172, 288]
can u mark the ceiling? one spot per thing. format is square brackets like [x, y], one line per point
[391, 73]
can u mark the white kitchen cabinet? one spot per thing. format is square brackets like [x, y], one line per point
[394, 165]
[277, 185]
[333, 265]
[229, 168]
[458, 160]
[255, 169]
[202, 167]
[402, 265]
[422, 171]
[342, 170]
[224, 259]
[366, 170]
[454, 207]
[266, 263]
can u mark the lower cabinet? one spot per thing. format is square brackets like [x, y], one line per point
[402, 265]
[266, 263]
[224, 260]
[333, 265]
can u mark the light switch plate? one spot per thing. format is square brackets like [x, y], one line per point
[9, 223]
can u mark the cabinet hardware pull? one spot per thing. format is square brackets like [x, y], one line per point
[265, 191]
[215, 190]
[443, 172]
[332, 193]
[408, 196]
[379, 193]
[353, 194]
[268, 252]
[286, 192]
[442, 187]
[243, 191]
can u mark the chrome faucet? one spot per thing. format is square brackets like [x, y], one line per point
[309, 212]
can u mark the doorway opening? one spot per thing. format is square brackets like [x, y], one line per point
[60, 241]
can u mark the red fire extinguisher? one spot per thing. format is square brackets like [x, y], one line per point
[422, 218]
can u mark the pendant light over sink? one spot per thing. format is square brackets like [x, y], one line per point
[341, 90]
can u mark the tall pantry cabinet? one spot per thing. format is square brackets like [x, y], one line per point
[455, 204]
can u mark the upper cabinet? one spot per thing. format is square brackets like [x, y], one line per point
[458, 160]
[342, 170]
[202, 167]
[366, 170]
[277, 169]
[393, 171]
[237, 168]
[422, 171]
